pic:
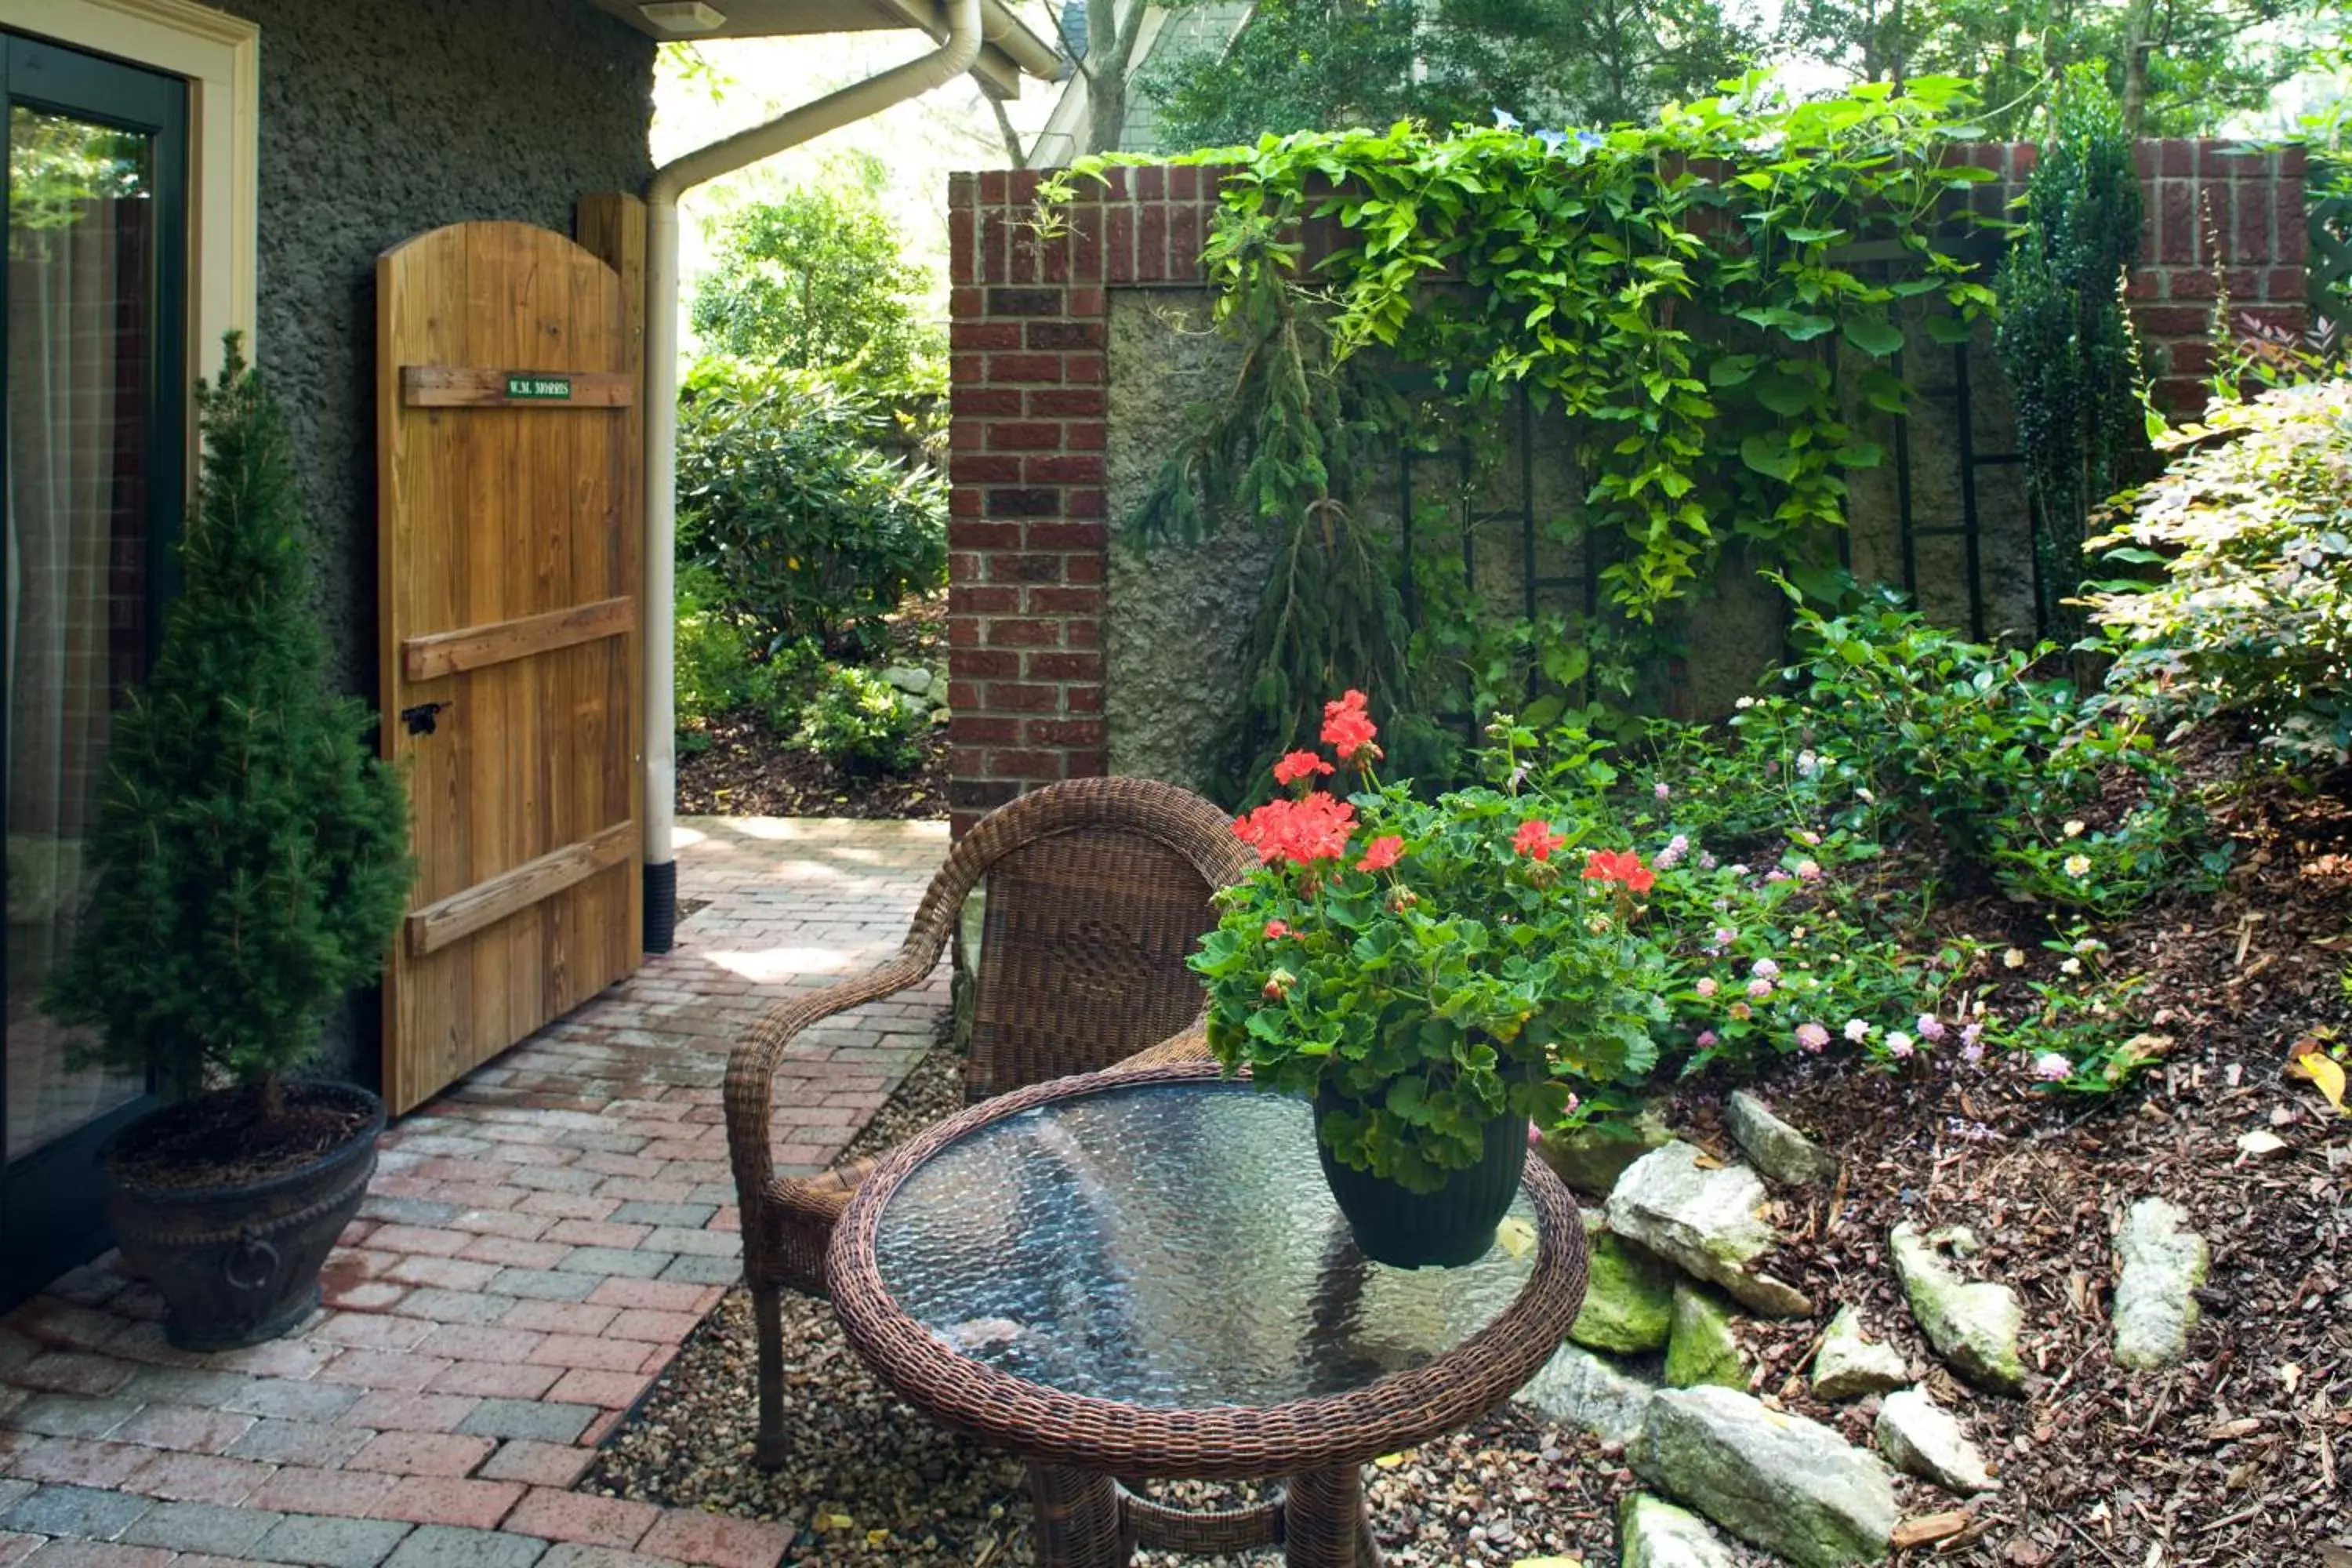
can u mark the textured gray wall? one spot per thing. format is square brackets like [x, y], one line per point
[382, 118]
[1178, 619]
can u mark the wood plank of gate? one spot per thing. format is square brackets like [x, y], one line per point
[503, 521]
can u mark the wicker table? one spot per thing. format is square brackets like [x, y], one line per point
[1140, 1274]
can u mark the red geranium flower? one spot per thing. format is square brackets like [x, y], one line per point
[1302, 831]
[1620, 865]
[1277, 928]
[1381, 853]
[1296, 765]
[1349, 731]
[1536, 839]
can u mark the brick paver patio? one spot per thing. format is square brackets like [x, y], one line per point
[536, 1245]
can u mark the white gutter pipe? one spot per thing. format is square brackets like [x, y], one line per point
[951, 59]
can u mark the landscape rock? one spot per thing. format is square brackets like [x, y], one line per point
[1592, 1393]
[1780, 1481]
[1704, 1220]
[1629, 1298]
[1591, 1159]
[1849, 1367]
[1927, 1440]
[1779, 1149]
[2160, 1262]
[1702, 1348]
[1653, 1533]
[912, 678]
[1973, 1324]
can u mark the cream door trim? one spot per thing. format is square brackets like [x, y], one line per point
[220, 56]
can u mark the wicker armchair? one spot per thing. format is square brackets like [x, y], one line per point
[1097, 889]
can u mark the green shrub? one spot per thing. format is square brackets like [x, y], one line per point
[809, 530]
[2251, 614]
[857, 722]
[720, 672]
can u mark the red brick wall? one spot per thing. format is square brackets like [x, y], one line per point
[1028, 531]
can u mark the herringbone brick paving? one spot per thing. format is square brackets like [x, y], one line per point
[536, 1245]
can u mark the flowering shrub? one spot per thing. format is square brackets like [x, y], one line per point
[2252, 611]
[1887, 728]
[1421, 967]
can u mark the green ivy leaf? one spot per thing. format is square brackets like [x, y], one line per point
[1873, 335]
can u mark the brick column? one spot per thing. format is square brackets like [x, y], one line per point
[2209, 206]
[1026, 530]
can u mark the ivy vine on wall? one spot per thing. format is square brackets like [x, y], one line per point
[1678, 290]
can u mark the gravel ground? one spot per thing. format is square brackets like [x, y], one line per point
[870, 1478]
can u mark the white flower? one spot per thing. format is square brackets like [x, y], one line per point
[2074, 830]
[2078, 865]
[2053, 1067]
[1856, 1030]
[2013, 959]
[1898, 1044]
[2073, 966]
[1765, 969]
[1745, 702]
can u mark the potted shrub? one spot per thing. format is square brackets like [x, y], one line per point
[253, 861]
[1434, 975]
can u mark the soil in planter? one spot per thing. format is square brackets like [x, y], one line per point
[222, 1140]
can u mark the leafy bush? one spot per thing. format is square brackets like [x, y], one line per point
[2251, 613]
[817, 280]
[809, 531]
[1885, 724]
[858, 722]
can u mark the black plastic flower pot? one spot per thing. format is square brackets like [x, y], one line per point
[1444, 1229]
[237, 1264]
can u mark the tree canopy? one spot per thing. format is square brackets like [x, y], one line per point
[1324, 64]
[818, 279]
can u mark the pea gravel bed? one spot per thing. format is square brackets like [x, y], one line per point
[869, 1480]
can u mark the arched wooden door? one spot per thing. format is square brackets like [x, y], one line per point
[506, 452]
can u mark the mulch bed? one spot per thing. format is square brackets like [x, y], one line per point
[2229, 1459]
[747, 771]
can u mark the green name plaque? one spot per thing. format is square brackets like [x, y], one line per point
[539, 388]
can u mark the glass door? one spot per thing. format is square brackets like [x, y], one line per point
[92, 474]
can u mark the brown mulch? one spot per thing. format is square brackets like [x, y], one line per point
[746, 771]
[223, 1139]
[2231, 1458]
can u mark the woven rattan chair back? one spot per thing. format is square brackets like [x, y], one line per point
[1082, 955]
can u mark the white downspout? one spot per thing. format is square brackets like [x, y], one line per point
[954, 55]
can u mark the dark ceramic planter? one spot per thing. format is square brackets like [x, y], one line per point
[1444, 1229]
[239, 1264]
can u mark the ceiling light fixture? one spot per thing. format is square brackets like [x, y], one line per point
[681, 18]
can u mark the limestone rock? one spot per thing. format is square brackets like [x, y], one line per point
[1702, 1348]
[2160, 1264]
[1778, 1480]
[1591, 1159]
[1849, 1367]
[1927, 1440]
[1653, 1533]
[911, 678]
[1973, 1324]
[1779, 1149]
[1590, 1393]
[1704, 1220]
[1629, 1298]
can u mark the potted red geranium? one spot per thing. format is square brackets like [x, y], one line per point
[1433, 975]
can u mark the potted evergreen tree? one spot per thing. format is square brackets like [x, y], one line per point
[253, 862]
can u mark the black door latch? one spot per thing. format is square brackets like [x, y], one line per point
[419, 719]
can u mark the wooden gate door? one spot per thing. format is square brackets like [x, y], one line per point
[508, 455]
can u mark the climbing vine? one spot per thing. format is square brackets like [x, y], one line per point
[1680, 291]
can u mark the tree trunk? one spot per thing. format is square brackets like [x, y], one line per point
[2136, 46]
[1004, 128]
[1109, 49]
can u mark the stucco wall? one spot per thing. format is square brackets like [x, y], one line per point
[381, 119]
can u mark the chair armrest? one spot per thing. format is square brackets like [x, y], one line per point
[752, 1066]
[1192, 1046]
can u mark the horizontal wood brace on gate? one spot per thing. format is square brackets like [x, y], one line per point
[485, 386]
[496, 642]
[484, 904]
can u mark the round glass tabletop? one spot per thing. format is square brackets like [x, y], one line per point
[1169, 1244]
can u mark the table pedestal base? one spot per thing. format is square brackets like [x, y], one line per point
[1089, 1520]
